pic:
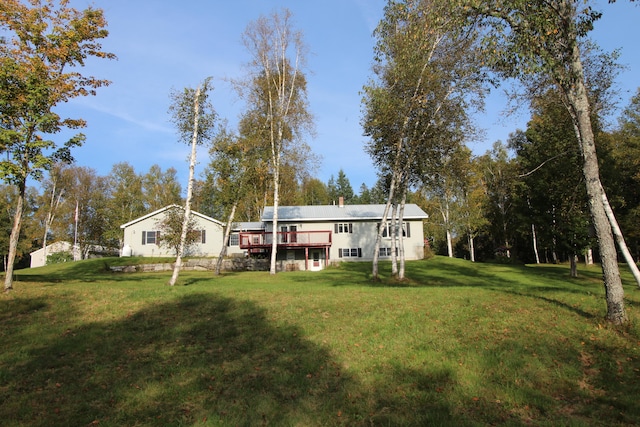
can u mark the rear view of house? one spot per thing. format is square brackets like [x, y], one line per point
[308, 237]
[312, 237]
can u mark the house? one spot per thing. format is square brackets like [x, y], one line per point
[312, 237]
[141, 236]
[38, 258]
[308, 237]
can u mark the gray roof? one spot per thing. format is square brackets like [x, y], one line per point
[154, 213]
[248, 226]
[338, 213]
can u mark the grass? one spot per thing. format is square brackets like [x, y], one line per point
[461, 344]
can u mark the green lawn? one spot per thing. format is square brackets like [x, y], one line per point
[461, 344]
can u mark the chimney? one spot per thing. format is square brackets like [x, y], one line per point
[341, 202]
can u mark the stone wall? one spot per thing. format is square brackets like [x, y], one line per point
[201, 264]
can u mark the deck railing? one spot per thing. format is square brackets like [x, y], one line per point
[251, 240]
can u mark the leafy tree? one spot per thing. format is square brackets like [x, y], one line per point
[170, 228]
[232, 162]
[427, 74]
[620, 159]
[194, 118]
[125, 199]
[552, 190]
[445, 186]
[54, 192]
[542, 39]
[42, 47]
[160, 189]
[277, 91]
[84, 218]
[500, 178]
[8, 196]
[472, 198]
[314, 192]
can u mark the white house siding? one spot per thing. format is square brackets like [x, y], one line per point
[133, 232]
[38, 258]
[362, 237]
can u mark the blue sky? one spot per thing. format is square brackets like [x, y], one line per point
[165, 44]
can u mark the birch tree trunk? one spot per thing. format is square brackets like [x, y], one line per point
[447, 226]
[393, 233]
[13, 240]
[53, 205]
[383, 223]
[580, 112]
[225, 240]
[620, 239]
[401, 271]
[187, 204]
[534, 237]
[276, 199]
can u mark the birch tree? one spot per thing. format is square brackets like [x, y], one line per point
[229, 169]
[54, 195]
[194, 118]
[43, 45]
[543, 38]
[277, 89]
[427, 74]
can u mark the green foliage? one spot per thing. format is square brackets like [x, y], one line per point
[59, 257]
[620, 165]
[160, 188]
[552, 192]
[461, 344]
[183, 115]
[314, 192]
[340, 187]
[170, 228]
[41, 42]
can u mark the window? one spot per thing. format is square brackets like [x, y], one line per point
[387, 251]
[343, 228]
[234, 239]
[150, 237]
[203, 236]
[350, 252]
[406, 230]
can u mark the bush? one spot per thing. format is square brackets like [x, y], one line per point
[60, 257]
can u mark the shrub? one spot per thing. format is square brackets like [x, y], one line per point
[59, 257]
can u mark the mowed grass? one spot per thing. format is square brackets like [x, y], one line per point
[460, 344]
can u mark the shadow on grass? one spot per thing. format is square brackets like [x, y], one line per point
[200, 358]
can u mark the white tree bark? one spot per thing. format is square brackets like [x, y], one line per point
[620, 239]
[535, 242]
[393, 233]
[472, 249]
[579, 110]
[187, 205]
[401, 230]
[225, 240]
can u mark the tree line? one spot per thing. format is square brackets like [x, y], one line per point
[70, 194]
[523, 201]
